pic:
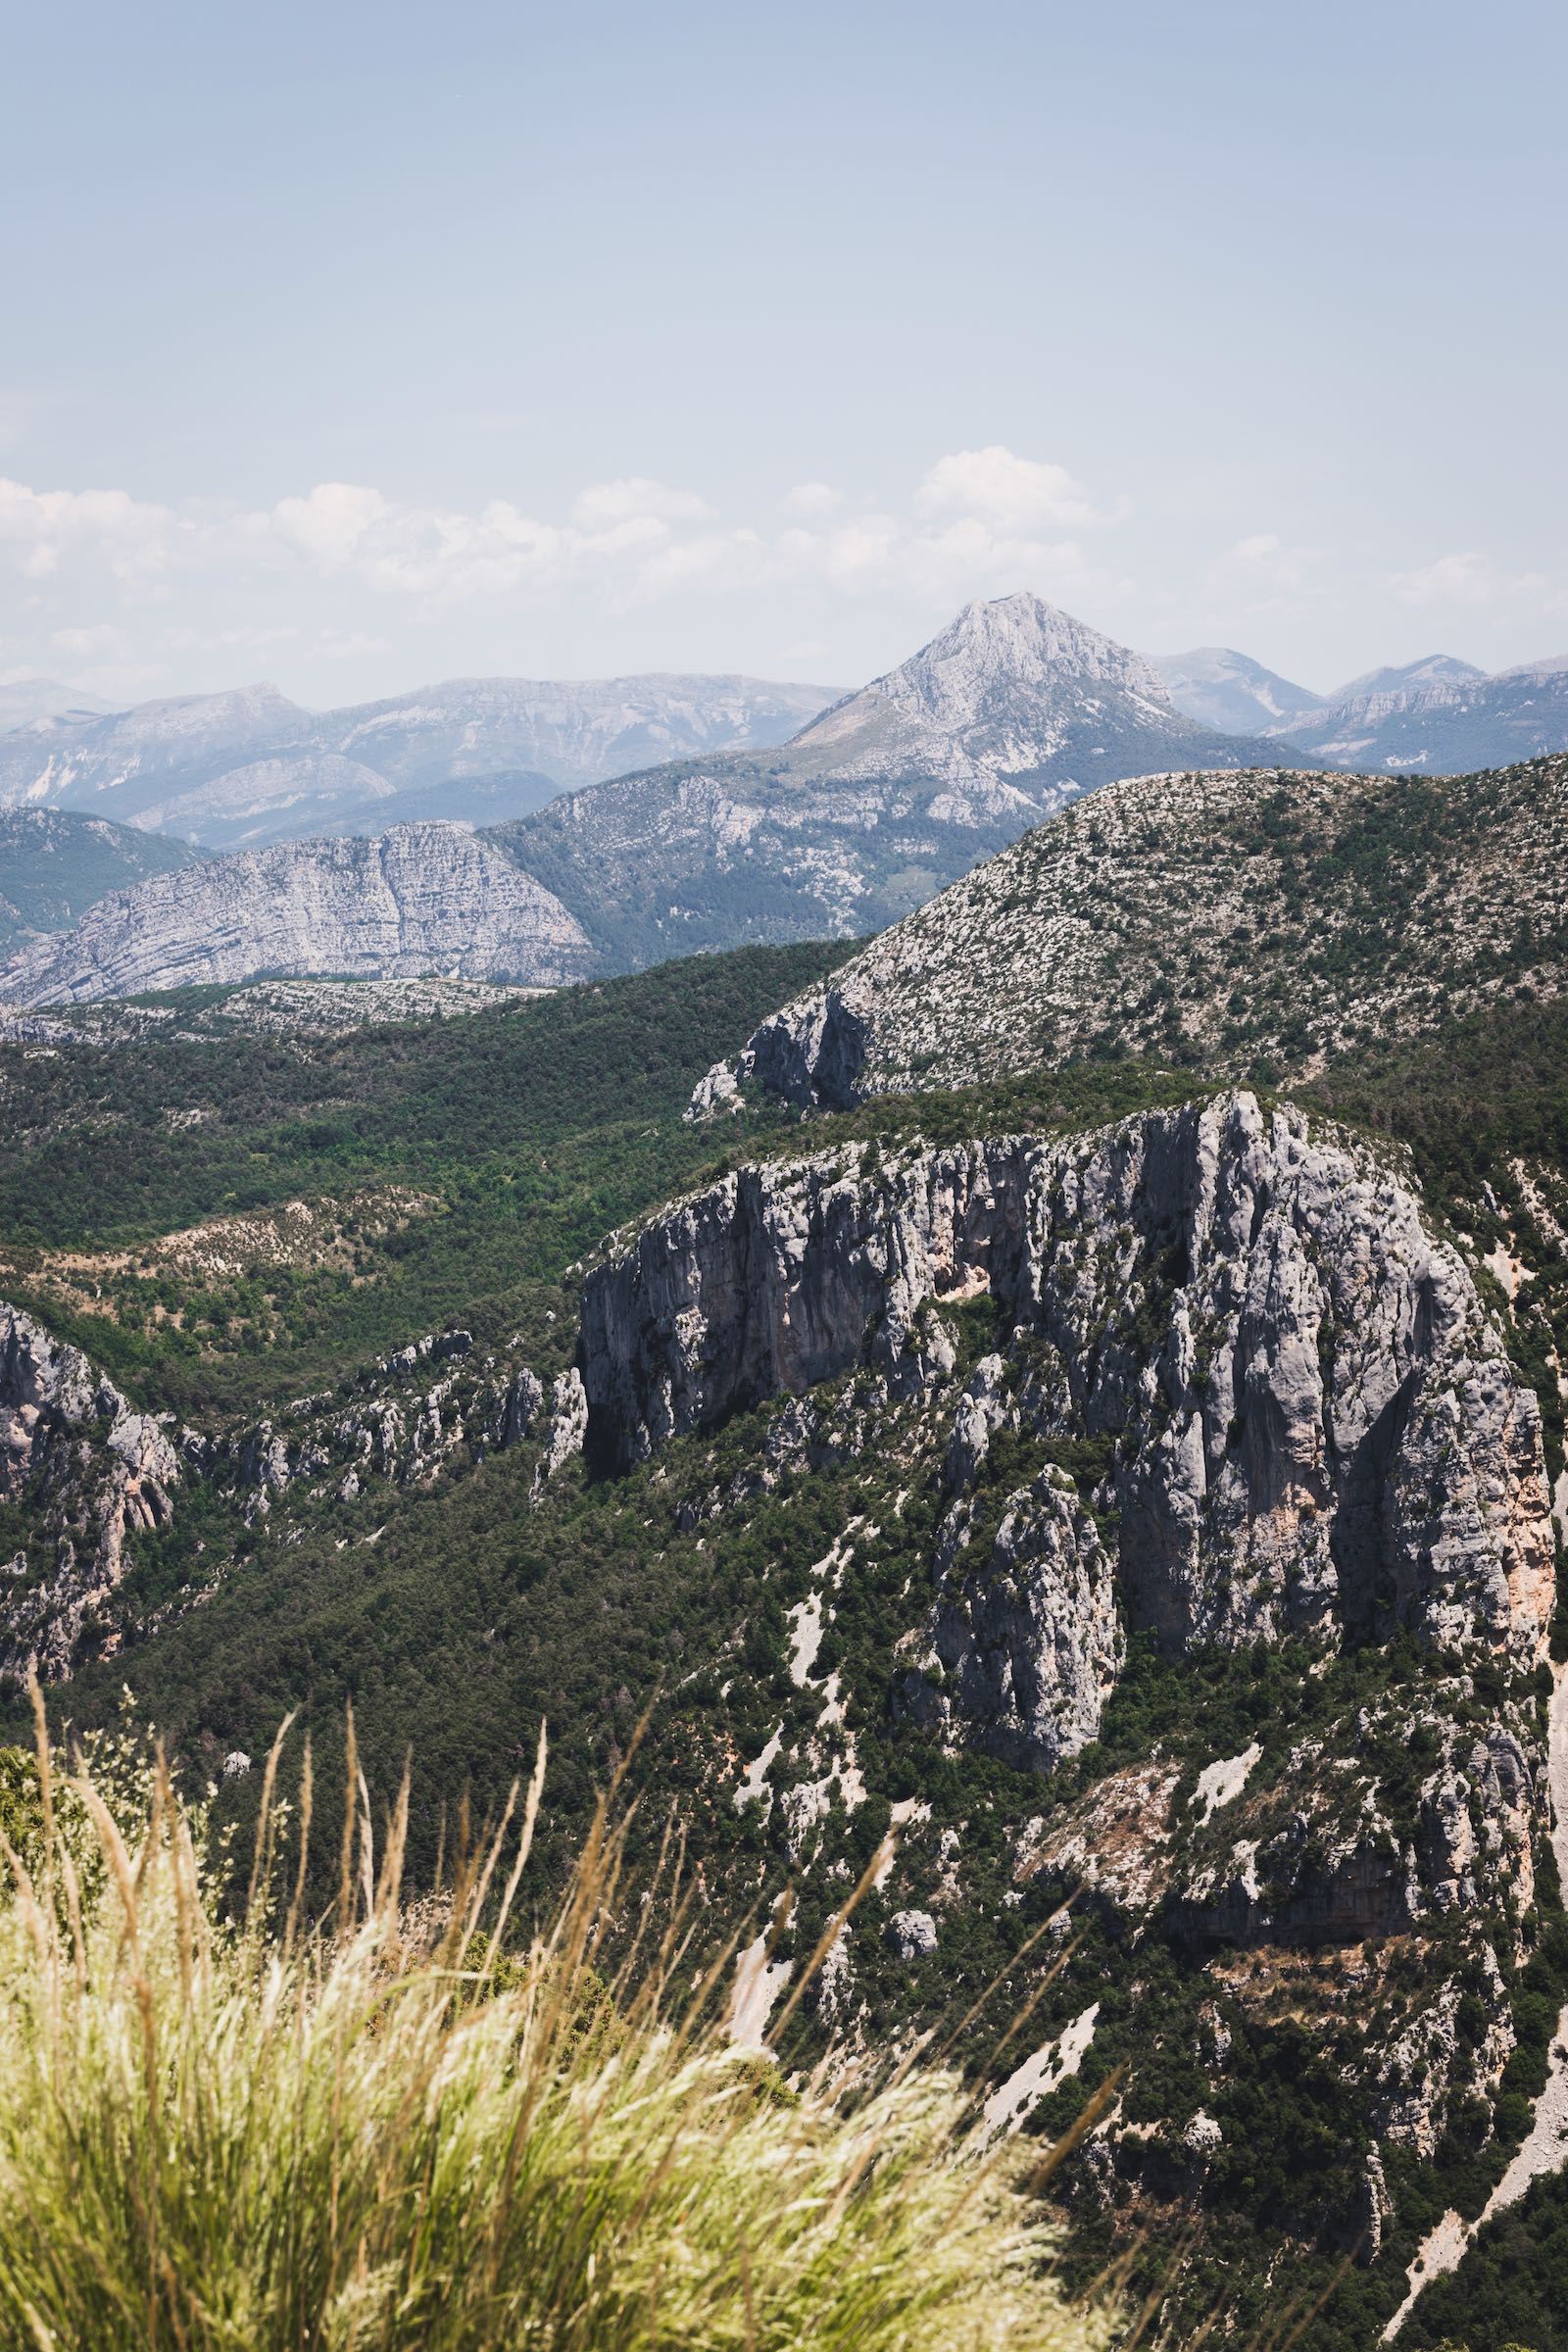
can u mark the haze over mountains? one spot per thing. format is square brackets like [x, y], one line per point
[1437, 714]
[870, 808]
[1009, 714]
[233, 770]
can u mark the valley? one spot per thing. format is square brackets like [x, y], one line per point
[1114, 1458]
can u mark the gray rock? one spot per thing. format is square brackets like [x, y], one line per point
[1310, 1423]
[912, 1935]
[85, 1459]
[419, 898]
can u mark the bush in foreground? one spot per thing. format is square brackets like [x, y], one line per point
[369, 2137]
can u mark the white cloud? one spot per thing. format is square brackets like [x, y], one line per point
[78, 561]
[636, 499]
[812, 501]
[997, 486]
[330, 524]
[46, 529]
[1457, 579]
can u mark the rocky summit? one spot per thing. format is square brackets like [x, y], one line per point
[420, 898]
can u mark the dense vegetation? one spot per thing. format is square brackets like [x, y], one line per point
[455, 1168]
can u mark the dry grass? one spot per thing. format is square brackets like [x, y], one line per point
[355, 2134]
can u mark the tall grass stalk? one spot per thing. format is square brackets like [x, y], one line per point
[368, 2136]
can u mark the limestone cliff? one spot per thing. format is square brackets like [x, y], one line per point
[1305, 1420]
[95, 1470]
[423, 898]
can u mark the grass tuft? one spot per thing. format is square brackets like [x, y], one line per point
[411, 2126]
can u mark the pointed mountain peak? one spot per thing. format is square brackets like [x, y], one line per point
[1013, 643]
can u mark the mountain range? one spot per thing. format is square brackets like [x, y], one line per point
[871, 809]
[1013, 710]
[1437, 714]
[1010, 711]
[239, 769]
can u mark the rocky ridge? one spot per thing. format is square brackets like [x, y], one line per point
[97, 1470]
[1308, 1423]
[1438, 716]
[1233, 1397]
[54, 865]
[420, 900]
[1223, 919]
[1222, 688]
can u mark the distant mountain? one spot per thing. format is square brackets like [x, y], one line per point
[25, 699]
[54, 864]
[1012, 711]
[1442, 715]
[232, 770]
[1232, 922]
[1433, 672]
[1224, 689]
[421, 898]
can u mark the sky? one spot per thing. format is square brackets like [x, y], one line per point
[354, 347]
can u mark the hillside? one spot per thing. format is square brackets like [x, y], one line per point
[887, 1561]
[1256, 922]
[233, 770]
[1015, 710]
[419, 898]
[55, 865]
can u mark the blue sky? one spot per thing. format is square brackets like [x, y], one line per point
[357, 346]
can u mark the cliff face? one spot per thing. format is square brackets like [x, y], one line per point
[1194, 1402]
[1305, 1421]
[419, 898]
[98, 1469]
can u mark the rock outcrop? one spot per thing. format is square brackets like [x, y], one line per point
[90, 1470]
[1279, 1392]
[419, 898]
[95, 1469]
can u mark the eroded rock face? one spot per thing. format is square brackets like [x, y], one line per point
[417, 899]
[1025, 1641]
[1301, 1418]
[92, 1470]
[99, 1471]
